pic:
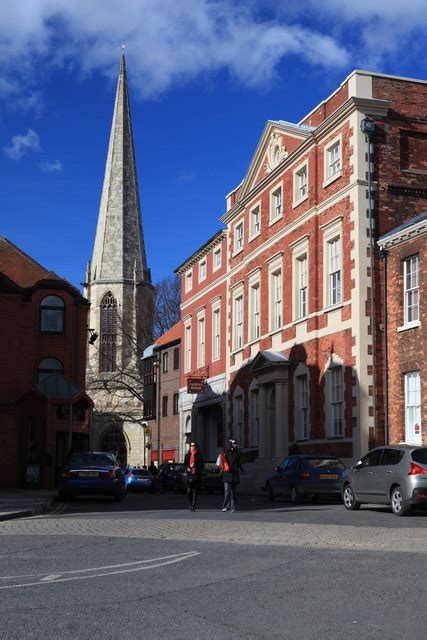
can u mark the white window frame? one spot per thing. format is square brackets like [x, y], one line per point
[255, 232]
[187, 339]
[303, 406]
[336, 398]
[412, 384]
[332, 231]
[216, 251]
[238, 416]
[254, 307]
[273, 204]
[202, 270]
[299, 252]
[238, 319]
[201, 339]
[216, 331]
[412, 291]
[327, 176]
[239, 236]
[188, 280]
[275, 304]
[254, 399]
[298, 172]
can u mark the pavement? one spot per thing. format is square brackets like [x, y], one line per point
[24, 503]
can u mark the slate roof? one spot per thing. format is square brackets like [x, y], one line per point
[57, 387]
[408, 223]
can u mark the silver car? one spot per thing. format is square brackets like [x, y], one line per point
[394, 474]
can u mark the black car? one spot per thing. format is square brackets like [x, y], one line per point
[170, 474]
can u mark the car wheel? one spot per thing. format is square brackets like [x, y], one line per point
[349, 498]
[400, 506]
[270, 493]
[295, 495]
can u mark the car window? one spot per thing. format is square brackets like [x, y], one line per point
[91, 458]
[141, 472]
[420, 455]
[292, 464]
[391, 456]
[330, 463]
[284, 464]
[372, 459]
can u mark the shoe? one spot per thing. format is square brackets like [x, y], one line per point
[225, 509]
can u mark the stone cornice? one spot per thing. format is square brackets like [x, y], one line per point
[403, 235]
[202, 251]
[378, 108]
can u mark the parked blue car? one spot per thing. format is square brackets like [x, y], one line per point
[137, 479]
[91, 473]
[306, 476]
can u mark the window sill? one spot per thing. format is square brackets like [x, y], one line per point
[410, 325]
[333, 307]
[335, 438]
[237, 350]
[274, 220]
[236, 252]
[328, 181]
[254, 341]
[296, 203]
[299, 320]
[256, 235]
[274, 331]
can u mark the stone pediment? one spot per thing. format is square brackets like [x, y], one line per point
[278, 140]
[269, 367]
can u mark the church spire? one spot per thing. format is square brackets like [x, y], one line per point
[119, 252]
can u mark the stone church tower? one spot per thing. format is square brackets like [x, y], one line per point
[118, 286]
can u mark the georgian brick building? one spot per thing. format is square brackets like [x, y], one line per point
[403, 250]
[300, 283]
[44, 410]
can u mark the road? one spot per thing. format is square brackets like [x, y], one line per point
[149, 568]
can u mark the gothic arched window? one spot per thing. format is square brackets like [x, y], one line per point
[108, 334]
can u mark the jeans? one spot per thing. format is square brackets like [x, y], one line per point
[192, 492]
[230, 496]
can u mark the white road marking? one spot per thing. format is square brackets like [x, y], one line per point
[139, 565]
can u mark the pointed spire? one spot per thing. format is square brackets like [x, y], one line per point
[119, 252]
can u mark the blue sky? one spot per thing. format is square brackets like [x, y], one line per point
[204, 77]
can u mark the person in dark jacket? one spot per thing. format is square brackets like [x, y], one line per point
[193, 465]
[231, 468]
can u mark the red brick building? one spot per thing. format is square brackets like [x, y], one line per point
[300, 281]
[403, 250]
[44, 411]
[168, 351]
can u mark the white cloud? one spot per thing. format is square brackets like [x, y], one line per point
[22, 144]
[170, 42]
[50, 167]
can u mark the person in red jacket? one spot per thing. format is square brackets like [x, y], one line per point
[193, 465]
[230, 468]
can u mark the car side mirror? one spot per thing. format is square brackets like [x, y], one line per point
[276, 468]
[358, 465]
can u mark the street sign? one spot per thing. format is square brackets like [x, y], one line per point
[195, 384]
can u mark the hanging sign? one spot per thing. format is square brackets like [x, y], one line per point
[195, 384]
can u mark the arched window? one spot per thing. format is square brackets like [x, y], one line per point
[113, 440]
[108, 333]
[52, 315]
[48, 366]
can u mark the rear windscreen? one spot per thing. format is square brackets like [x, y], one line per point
[141, 472]
[320, 463]
[91, 458]
[420, 455]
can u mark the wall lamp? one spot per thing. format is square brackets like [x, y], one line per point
[93, 336]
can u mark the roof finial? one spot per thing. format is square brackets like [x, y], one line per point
[123, 49]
